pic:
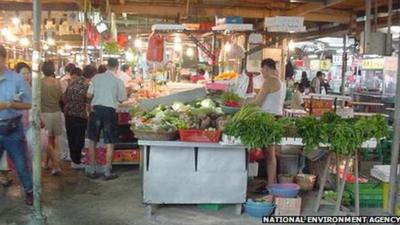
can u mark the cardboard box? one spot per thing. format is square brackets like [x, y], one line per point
[288, 206]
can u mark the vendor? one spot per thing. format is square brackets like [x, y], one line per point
[271, 98]
[125, 74]
[297, 99]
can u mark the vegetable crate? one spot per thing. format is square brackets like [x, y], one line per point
[200, 135]
[370, 194]
[211, 207]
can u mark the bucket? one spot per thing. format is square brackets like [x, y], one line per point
[386, 199]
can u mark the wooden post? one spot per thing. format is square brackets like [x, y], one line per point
[344, 64]
[37, 217]
[322, 184]
[341, 186]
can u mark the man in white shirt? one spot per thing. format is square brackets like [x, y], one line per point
[316, 83]
[106, 91]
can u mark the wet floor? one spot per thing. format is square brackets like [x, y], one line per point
[73, 199]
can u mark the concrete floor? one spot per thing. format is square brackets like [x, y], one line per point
[74, 199]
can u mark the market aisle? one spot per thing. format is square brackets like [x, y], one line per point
[74, 199]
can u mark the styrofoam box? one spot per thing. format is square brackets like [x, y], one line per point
[167, 27]
[294, 21]
[382, 172]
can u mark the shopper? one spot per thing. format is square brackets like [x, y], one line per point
[106, 91]
[316, 83]
[304, 80]
[76, 114]
[25, 70]
[66, 79]
[102, 68]
[11, 131]
[271, 99]
[5, 180]
[297, 99]
[51, 112]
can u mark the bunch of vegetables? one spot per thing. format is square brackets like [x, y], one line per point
[203, 114]
[255, 129]
[332, 197]
[231, 99]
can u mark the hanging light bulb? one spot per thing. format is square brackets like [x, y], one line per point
[178, 47]
[190, 52]
[68, 47]
[5, 32]
[138, 43]
[129, 56]
[51, 41]
[45, 47]
[24, 42]
[15, 21]
[178, 39]
[228, 47]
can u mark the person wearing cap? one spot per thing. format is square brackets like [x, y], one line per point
[106, 91]
[15, 96]
[271, 98]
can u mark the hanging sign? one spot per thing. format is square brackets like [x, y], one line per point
[314, 65]
[325, 64]
[372, 64]
[337, 60]
[299, 63]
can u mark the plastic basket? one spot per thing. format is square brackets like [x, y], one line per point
[371, 194]
[188, 135]
[211, 207]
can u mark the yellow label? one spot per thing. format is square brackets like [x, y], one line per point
[372, 64]
[325, 64]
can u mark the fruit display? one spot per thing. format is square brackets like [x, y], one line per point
[226, 76]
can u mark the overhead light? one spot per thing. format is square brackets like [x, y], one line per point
[129, 37]
[178, 47]
[313, 56]
[67, 47]
[138, 43]
[60, 51]
[177, 39]
[15, 20]
[45, 47]
[228, 47]
[5, 32]
[24, 42]
[190, 52]
[291, 45]
[129, 56]
[51, 41]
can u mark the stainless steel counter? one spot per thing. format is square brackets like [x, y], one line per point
[193, 173]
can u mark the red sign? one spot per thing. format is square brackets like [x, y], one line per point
[299, 63]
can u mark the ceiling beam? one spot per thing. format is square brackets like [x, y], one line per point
[211, 11]
[311, 7]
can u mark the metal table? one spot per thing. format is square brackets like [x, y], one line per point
[176, 172]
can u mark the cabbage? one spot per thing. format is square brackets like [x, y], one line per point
[207, 103]
[178, 106]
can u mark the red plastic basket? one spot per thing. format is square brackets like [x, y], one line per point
[200, 135]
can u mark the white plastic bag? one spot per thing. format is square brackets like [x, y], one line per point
[240, 85]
